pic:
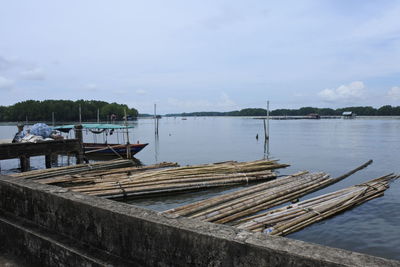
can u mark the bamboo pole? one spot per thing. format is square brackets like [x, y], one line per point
[201, 205]
[292, 218]
[230, 208]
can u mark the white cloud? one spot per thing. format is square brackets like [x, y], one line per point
[225, 101]
[352, 91]
[36, 74]
[4, 63]
[6, 84]
[394, 93]
[141, 92]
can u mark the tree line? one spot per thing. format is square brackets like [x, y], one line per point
[386, 110]
[64, 110]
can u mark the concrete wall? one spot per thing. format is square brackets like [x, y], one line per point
[50, 226]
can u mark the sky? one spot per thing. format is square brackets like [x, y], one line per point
[205, 55]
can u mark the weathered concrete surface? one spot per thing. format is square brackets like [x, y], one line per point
[52, 225]
[8, 260]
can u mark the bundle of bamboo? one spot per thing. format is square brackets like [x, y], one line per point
[73, 169]
[294, 217]
[95, 176]
[230, 207]
[182, 179]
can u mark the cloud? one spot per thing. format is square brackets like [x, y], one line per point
[225, 101]
[4, 63]
[394, 93]
[344, 93]
[6, 84]
[36, 74]
[141, 92]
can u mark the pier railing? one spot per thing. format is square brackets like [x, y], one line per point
[24, 151]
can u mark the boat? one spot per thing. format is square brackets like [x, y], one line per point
[112, 149]
[105, 149]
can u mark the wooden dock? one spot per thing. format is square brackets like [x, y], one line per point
[24, 151]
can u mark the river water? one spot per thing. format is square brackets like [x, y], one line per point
[334, 146]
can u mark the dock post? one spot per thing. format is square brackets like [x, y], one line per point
[79, 136]
[25, 163]
[78, 132]
[48, 161]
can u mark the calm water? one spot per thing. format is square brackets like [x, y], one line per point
[333, 146]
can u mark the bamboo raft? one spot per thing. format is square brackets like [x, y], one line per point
[230, 207]
[115, 180]
[96, 176]
[74, 169]
[291, 218]
[182, 179]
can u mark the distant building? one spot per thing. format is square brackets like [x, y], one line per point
[314, 116]
[348, 115]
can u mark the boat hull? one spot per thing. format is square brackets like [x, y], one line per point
[112, 149]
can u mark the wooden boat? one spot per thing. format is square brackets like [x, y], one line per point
[105, 149]
[112, 149]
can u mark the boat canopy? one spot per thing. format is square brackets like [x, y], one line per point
[104, 126]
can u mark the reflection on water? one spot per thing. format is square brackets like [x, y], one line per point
[334, 146]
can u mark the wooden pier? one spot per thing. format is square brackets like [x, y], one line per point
[24, 151]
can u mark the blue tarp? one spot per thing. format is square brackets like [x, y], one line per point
[41, 129]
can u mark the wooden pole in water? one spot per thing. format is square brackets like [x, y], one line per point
[265, 131]
[25, 163]
[155, 120]
[267, 134]
[98, 115]
[128, 148]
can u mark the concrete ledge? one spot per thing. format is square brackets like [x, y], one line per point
[128, 234]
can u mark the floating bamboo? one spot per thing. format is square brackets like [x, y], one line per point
[231, 207]
[121, 185]
[73, 169]
[294, 217]
[94, 176]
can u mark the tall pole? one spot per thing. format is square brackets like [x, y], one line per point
[128, 148]
[268, 119]
[98, 115]
[80, 114]
[155, 120]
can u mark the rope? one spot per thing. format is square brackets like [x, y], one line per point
[311, 210]
[242, 173]
[122, 189]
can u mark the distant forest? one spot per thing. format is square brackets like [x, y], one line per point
[361, 111]
[64, 110]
